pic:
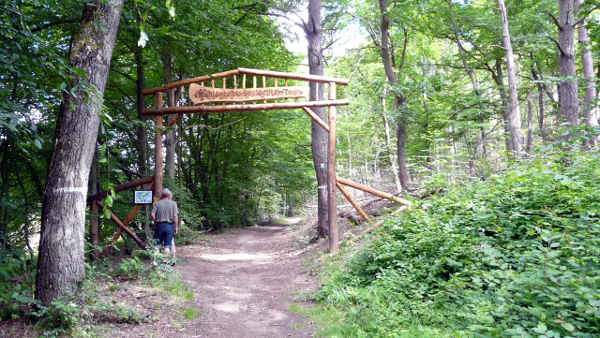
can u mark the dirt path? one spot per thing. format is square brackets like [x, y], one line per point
[245, 281]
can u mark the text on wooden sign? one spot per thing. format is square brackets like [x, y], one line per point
[200, 95]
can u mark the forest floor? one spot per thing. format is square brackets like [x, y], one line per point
[244, 283]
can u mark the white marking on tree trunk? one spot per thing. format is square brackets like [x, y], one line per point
[82, 190]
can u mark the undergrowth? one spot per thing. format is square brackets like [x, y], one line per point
[516, 255]
[77, 314]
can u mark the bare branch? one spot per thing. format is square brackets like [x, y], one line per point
[558, 45]
[403, 49]
[555, 20]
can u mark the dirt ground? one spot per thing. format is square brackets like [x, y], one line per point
[244, 282]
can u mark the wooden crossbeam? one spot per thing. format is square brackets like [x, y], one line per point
[243, 107]
[122, 187]
[374, 191]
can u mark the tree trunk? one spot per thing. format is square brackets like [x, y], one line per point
[61, 257]
[290, 204]
[141, 142]
[529, 129]
[590, 113]
[388, 142]
[514, 113]
[474, 82]
[541, 112]
[399, 103]
[319, 137]
[499, 79]
[568, 86]
[401, 137]
[167, 61]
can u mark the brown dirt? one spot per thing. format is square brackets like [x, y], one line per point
[244, 283]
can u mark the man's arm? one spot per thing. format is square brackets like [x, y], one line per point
[176, 223]
[153, 213]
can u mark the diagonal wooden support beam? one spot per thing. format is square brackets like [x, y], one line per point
[316, 117]
[128, 231]
[374, 191]
[174, 120]
[354, 204]
[129, 218]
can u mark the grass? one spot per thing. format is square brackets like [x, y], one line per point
[190, 313]
[330, 323]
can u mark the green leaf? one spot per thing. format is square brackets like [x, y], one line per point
[568, 326]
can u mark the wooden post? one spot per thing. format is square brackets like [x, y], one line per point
[158, 154]
[94, 236]
[334, 235]
[264, 82]
[254, 85]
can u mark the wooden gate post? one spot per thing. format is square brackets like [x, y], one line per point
[331, 179]
[94, 236]
[158, 153]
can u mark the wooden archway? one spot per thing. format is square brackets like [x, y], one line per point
[239, 90]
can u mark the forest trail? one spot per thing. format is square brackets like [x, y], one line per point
[245, 281]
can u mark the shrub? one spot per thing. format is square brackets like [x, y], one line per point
[518, 254]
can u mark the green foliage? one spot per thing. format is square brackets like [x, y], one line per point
[515, 255]
[77, 313]
[190, 313]
[130, 267]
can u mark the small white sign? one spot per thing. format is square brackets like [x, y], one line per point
[142, 197]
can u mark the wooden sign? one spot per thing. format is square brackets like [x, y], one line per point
[200, 95]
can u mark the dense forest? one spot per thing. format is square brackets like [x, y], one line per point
[484, 113]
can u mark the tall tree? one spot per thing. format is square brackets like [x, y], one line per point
[514, 113]
[590, 113]
[399, 102]
[567, 91]
[61, 257]
[167, 61]
[471, 73]
[319, 137]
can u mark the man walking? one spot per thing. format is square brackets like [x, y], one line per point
[165, 215]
